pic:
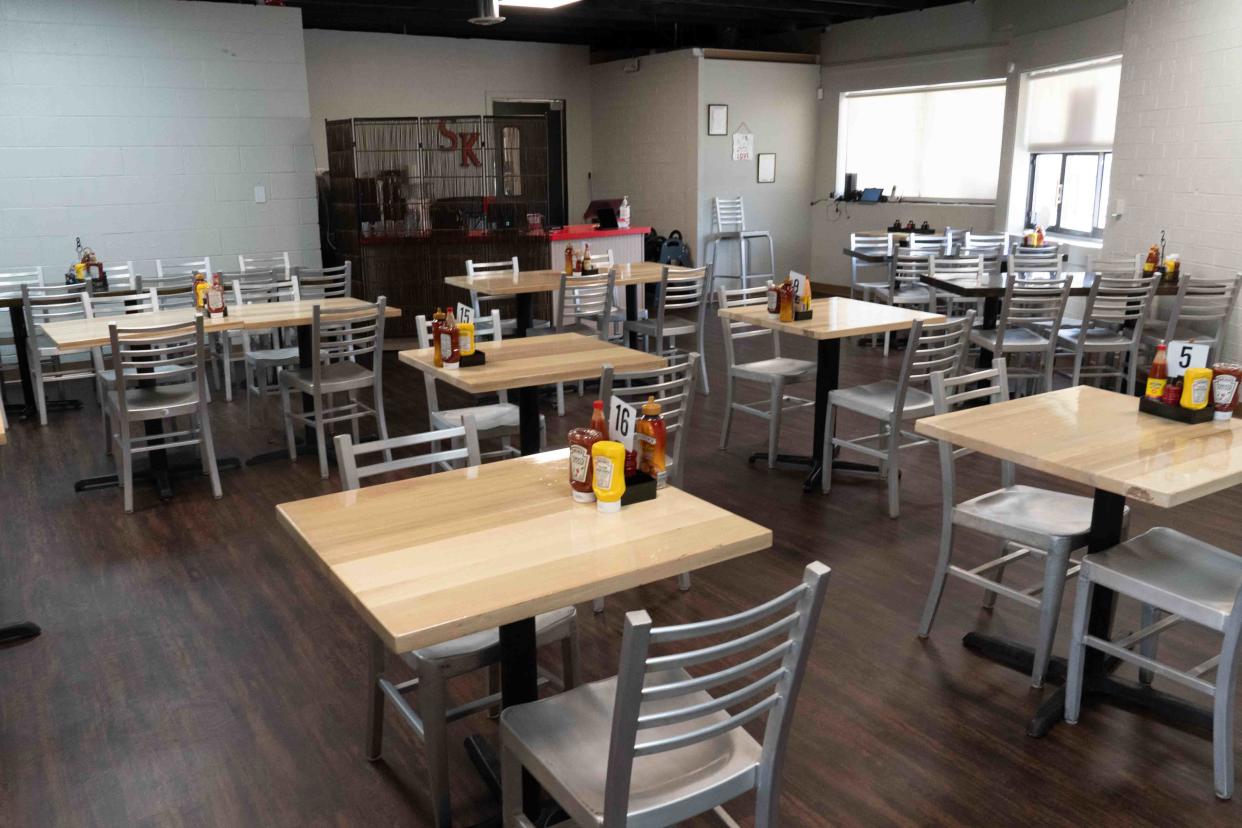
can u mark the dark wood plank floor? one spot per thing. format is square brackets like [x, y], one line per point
[196, 669]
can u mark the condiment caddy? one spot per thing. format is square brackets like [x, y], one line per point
[1199, 395]
[620, 464]
[791, 300]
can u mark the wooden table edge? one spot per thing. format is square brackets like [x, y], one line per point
[454, 379]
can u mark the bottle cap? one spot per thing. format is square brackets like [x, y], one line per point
[598, 404]
[584, 497]
[608, 507]
[651, 407]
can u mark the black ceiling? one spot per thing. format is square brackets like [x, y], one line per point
[609, 25]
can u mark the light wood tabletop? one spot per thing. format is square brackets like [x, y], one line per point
[545, 281]
[536, 360]
[79, 334]
[428, 559]
[834, 318]
[1101, 439]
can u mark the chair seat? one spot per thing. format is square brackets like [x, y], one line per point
[336, 376]
[1172, 571]
[486, 417]
[733, 235]
[159, 401]
[877, 399]
[569, 735]
[1016, 339]
[673, 326]
[1040, 518]
[905, 295]
[1097, 337]
[278, 356]
[764, 369]
[484, 640]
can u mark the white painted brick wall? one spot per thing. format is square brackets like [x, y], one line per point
[143, 126]
[1178, 149]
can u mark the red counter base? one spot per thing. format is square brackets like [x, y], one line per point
[575, 232]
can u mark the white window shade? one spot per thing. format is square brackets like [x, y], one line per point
[1074, 109]
[937, 143]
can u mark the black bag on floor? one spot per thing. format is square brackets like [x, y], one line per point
[653, 243]
[675, 251]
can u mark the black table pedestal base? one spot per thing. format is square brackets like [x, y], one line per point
[162, 478]
[816, 466]
[21, 631]
[304, 449]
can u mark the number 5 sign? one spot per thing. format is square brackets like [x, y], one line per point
[621, 419]
[1183, 355]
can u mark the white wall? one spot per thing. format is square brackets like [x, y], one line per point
[777, 102]
[963, 42]
[644, 138]
[366, 75]
[1177, 161]
[143, 126]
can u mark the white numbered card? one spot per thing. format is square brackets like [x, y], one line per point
[1183, 355]
[799, 283]
[622, 418]
[465, 313]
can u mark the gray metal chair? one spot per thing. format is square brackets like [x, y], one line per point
[1030, 523]
[276, 262]
[98, 307]
[652, 746]
[933, 347]
[11, 281]
[1112, 323]
[434, 666]
[931, 244]
[175, 274]
[48, 364]
[776, 372]
[265, 352]
[1177, 578]
[1030, 314]
[673, 389]
[972, 240]
[966, 266]
[584, 304]
[122, 276]
[1200, 311]
[681, 311]
[339, 336]
[860, 288]
[906, 288]
[159, 373]
[326, 282]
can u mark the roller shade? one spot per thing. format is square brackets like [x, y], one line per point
[1073, 108]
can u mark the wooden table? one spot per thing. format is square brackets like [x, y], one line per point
[1100, 439]
[19, 630]
[530, 282]
[521, 546]
[834, 319]
[530, 362]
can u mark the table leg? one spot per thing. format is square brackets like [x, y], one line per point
[21, 631]
[991, 309]
[307, 446]
[528, 419]
[631, 313]
[525, 313]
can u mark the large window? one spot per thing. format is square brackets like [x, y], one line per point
[934, 142]
[1071, 112]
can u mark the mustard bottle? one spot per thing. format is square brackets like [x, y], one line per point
[608, 460]
[1196, 388]
[465, 333]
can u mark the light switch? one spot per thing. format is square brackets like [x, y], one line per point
[260, 194]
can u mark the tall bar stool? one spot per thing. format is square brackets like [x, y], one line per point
[339, 337]
[860, 286]
[1029, 522]
[159, 373]
[326, 282]
[1177, 579]
[729, 225]
[48, 364]
[652, 746]
[1031, 313]
[1112, 323]
[933, 347]
[681, 311]
[777, 372]
[433, 667]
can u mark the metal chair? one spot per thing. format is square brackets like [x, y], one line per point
[938, 244]
[1047, 258]
[174, 274]
[48, 364]
[776, 372]
[434, 666]
[961, 267]
[652, 746]
[500, 420]
[264, 351]
[972, 240]
[278, 262]
[1030, 314]
[905, 286]
[122, 276]
[875, 246]
[1177, 579]
[11, 281]
[1030, 523]
[588, 302]
[729, 225]
[1112, 323]
[477, 300]
[934, 346]
[673, 389]
[326, 282]
[97, 307]
[681, 311]
[159, 373]
[1201, 309]
[339, 336]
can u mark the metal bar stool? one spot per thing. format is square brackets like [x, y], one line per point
[729, 225]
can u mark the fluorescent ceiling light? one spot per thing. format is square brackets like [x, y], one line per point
[538, 4]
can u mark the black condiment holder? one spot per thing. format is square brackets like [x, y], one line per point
[639, 487]
[802, 316]
[473, 360]
[1190, 416]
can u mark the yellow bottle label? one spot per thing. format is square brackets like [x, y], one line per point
[603, 473]
[1155, 387]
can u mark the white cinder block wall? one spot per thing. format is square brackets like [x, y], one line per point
[1177, 165]
[143, 126]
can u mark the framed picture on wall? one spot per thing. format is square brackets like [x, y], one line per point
[767, 168]
[717, 119]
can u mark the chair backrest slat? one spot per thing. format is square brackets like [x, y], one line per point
[278, 262]
[348, 333]
[674, 389]
[948, 392]
[177, 350]
[733, 330]
[352, 473]
[586, 297]
[1205, 301]
[326, 282]
[728, 214]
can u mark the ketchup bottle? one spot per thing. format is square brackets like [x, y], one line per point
[449, 343]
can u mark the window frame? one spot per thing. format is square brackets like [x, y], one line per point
[1102, 157]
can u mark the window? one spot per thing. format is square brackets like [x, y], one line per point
[1071, 112]
[934, 142]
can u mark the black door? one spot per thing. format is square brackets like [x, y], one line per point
[558, 189]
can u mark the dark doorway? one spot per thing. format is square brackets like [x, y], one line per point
[558, 187]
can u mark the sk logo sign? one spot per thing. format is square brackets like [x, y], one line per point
[465, 141]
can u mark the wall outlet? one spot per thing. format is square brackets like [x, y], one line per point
[260, 194]
[819, 94]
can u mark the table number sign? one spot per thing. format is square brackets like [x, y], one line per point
[465, 313]
[622, 417]
[1183, 355]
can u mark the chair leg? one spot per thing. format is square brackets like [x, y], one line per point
[597, 605]
[887, 337]
[703, 360]
[355, 424]
[825, 476]
[894, 470]
[1147, 647]
[286, 407]
[375, 701]
[209, 450]
[571, 668]
[1131, 356]
[683, 582]
[493, 687]
[560, 399]
[510, 785]
[432, 709]
[127, 466]
[226, 359]
[1055, 566]
[989, 596]
[939, 578]
[776, 402]
[1077, 651]
[1076, 375]
[1222, 715]
[728, 413]
[320, 441]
